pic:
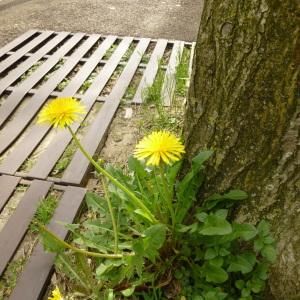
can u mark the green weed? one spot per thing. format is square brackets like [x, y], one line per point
[129, 52]
[110, 52]
[63, 84]
[52, 71]
[10, 276]
[88, 82]
[21, 188]
[44, 212]
[30, 71]
[27, 165]
[197, 248]
[161, 117]
[182, 73]
[131, 89]
[64, 161]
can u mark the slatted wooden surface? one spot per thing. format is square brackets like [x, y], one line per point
[35, 68]
[32, 70]
[38, 268]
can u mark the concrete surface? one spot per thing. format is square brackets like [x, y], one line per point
[172, 19]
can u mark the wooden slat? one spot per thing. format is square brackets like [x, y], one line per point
[95, 137]
[15, 159]
[48, 158]
[18, 94]
[36, 274]
[88, 67]
[16, 226]
[29, 46]
[10, 46]
[151, 70]
[7, 187]
[14, 128]
[191, 64]
[23, 67]
[169, 84]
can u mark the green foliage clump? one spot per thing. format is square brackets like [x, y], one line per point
[44, 212]
[9, 278]
[197, 252]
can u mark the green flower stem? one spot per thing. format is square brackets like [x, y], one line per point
[162, 213]
[129, 193]
[81, 251]
[113, 221]
[168, 196]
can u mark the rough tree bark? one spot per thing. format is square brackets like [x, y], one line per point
[244, 102]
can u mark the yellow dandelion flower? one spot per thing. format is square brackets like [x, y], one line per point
[159, 146]
[56, 295]
[61, 112]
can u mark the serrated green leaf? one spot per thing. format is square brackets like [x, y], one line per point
[156, 234]
[236, 195]
[190, 228]
[210, 253]
[223, 252]
[201, 216]
[138, 247]
[269, 252]
[262, 271]
[144, 214]
[222, 213]
[51, 244]
[213, 200]
[217, 261]
[95, 202]
[188, 187]
[136, 166]
[258, 244]
[70, 268]
[242, 263]
[118, 174]
[110, 295]
[197, 297]
[268, 240]
[154, 238]
[128, 292]
[263, 228]
[246, 292]
[136, 262]
[172, 172]
[245, 231]
[215, 225]
[201, 158]
[239, 284]
[107, 266]
[257, 285]
[215, 295]
[214, 274]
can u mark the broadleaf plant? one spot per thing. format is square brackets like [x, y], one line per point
[146, 234]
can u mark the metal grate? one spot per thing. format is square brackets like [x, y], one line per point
[41, 65]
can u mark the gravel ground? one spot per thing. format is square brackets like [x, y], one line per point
[172, 19]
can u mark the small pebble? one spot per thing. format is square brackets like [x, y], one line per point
[128, 113]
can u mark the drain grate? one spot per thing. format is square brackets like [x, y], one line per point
[98, 70]
[39, 264]
[35, 68]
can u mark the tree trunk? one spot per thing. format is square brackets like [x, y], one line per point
[244, 102]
